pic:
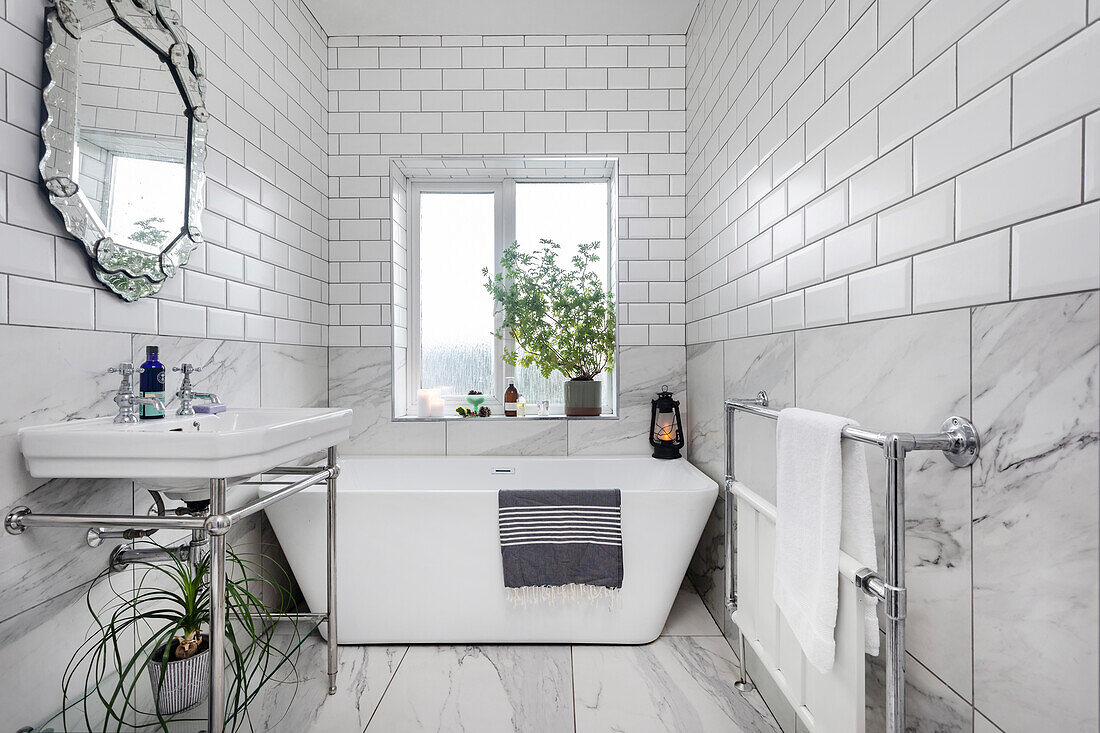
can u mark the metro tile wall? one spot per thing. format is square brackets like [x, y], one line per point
[927, 169]
[251, 307]
[525, 95]
[391, 96]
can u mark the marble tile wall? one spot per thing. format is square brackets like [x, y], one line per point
[361, 378]
[1001, 558]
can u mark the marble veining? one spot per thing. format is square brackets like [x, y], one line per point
[230, 369]
[930, 705]
[360, 378]
[1036, 380]
[486, 688]
[680, 684]
[76, 385]
[642, 370]
[475, 436]
[704, 406]
[293, 376]
[47, 561]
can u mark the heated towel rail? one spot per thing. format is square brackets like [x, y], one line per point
[959, 442]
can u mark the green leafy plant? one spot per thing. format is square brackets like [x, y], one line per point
[168, 610]
[148, 234]
[562, 317]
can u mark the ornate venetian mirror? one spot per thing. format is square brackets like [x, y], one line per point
[125, 137]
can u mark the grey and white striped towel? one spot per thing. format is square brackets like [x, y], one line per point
[558, 544]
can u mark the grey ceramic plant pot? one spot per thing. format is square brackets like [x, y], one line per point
[583, 398]
[186, 681]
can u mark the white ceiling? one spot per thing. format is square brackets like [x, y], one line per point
[501, 17]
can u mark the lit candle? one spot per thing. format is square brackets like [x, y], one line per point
[438, 406]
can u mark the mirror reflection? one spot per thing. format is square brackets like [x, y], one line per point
[131, 138]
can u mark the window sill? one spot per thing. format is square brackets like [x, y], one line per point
[499, 418]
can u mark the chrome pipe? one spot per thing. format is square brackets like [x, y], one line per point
[291, 616]
[895, 586]
[959, 439]
[216, 713]
[870, 582]
[21, 518]
[743, 683]
[729, 502]
[124, 555]
[318, 475]
[291, 470]
[333, 663]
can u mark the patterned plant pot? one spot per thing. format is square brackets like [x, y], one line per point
[186, 681]
[583, 398]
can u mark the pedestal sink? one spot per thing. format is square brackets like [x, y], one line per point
[179, 455]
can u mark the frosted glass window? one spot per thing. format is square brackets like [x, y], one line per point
[457, 240]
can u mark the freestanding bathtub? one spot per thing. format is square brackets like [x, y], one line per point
[419, 556]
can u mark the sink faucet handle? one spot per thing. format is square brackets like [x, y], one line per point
[187, 393]
[126, 369]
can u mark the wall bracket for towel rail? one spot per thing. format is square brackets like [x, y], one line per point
[960, 443]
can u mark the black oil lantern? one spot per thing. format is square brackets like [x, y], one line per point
[666, 433]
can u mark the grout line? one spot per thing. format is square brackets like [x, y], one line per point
[970, 414]
[931, 187]
[573, 686]
[390, 682]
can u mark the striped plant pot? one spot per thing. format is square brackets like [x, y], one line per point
[186, 681]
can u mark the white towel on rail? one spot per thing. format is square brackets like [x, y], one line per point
[823, 504]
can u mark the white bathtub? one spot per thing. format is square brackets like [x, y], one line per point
[419, 559]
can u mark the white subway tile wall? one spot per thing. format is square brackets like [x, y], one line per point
[619, 96]
[862, 134]
[266, 225]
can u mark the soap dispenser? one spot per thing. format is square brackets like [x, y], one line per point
[152, 383]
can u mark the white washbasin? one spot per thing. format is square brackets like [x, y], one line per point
[181, 454]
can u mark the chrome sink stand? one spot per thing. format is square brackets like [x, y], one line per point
[215, 525]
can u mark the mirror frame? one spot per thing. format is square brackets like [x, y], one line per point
[130, 273]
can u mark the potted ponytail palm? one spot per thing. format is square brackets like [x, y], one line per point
[157, 628]
[562, 318]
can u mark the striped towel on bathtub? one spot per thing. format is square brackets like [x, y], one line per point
[560, 544]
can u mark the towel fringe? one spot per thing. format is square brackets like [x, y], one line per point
[531, 595]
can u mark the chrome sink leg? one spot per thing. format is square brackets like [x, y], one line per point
[333, 663]
[216, 715]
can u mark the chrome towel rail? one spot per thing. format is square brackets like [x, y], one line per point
[960, 443]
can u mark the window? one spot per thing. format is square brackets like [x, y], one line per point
[455, 230]
[140, 186]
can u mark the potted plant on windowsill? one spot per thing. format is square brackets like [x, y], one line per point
[155, 630]
[562, 318]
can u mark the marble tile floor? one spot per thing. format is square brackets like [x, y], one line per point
[682, 683]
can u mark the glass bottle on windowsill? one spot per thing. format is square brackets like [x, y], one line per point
[511, 396]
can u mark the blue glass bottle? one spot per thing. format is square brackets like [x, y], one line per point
[152, 382]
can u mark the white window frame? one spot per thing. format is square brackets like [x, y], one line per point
[504, 205]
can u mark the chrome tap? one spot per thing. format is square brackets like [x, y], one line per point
[126, 400]
[187, 394]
